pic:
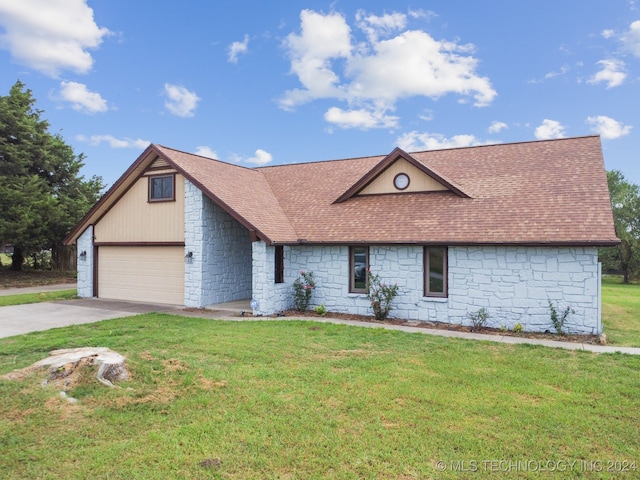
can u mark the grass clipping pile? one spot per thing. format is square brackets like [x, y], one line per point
[66, 367]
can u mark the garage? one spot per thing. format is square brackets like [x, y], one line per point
[153, 274]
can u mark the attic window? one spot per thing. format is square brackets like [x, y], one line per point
[162, 188]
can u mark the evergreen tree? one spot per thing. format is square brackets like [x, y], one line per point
[42, 194]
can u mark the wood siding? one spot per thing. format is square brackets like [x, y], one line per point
[419, 181]
[134, 219]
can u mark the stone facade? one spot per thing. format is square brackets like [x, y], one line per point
[85, 263]
[219, 267]
[514, 284]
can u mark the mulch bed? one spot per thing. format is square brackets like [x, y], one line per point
[575, 338]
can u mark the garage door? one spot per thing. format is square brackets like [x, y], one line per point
[142, 274]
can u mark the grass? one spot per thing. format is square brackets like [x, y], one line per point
[621, 311]
[287, 399]
[23, 298]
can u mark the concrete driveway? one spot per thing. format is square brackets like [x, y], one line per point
[19, 319]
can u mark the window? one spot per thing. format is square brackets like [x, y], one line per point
[435, 271]
[279, 264]
[358, 266]
[161, 188]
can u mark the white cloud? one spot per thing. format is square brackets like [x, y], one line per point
[374, 26]
[631, 38]
[82, 99]
[549, 129]
[114, 142]
[612, 73]
[608, 33]
[563, 70]
[181, 102]
[323, 38]
[375, 73]
[607, 127]
[415, 141]
[205, 151]
[50, 35]
[363, 118]
[427, 115]
[237, 48]
[261, 157]
[497, 127]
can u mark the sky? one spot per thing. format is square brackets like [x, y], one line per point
[268, 83]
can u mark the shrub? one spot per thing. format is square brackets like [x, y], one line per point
[518, 328]
[380, 295]
[558, 320]
[303, 290]
[478, 319]
[320, 310]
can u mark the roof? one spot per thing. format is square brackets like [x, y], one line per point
[551, 192]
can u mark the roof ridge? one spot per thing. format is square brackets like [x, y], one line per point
[500, 144]
[204, 157]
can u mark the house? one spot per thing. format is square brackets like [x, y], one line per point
[505, 227]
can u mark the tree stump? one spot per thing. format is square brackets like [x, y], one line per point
[65, 366]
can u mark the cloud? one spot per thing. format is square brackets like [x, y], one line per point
[323, 38]
[82, 99]
[497, 127]
[549, 129]
[631, 38]
[261, 157]
[237, 48]
[608, 33]
[563, 70]
[205, 151]
[374, 26]
[607, 127]
[114, 142]
[50, 35]
[362, 119]
[415, 141]
[612, 73]
[385, 66]
[181, 102]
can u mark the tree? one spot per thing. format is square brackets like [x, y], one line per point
[42, 194]
[625, 203]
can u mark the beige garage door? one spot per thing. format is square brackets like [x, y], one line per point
[142, 274]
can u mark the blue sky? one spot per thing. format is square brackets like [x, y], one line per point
[268, 83]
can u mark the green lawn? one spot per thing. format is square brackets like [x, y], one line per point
[301, 400]
[37, 297]
[621, 311]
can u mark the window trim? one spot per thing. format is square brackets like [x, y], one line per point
[173, 187]
[352, 277]
[279, 264]
[445, 273]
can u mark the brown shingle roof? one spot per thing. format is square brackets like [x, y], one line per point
[551, 192]
[543, 192]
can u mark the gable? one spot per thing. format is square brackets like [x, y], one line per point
[133, 218]
[379, 180]
[418, 180]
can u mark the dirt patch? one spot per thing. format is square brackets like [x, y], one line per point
[34, 278]
[574, 338]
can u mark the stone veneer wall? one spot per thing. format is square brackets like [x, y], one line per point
[85, 264]
[220, 268]
[514, 284]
